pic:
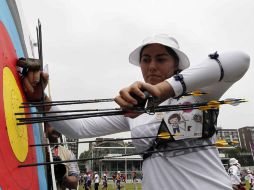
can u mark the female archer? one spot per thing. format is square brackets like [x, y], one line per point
[167, 76]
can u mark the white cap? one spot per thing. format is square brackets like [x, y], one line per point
[165, 40]
[118, 172]
[233, 161]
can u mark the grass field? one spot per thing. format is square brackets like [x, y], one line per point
[128, 186]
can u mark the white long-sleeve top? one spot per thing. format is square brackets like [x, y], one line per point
[200, 168]
[234, 173]
[205, 76]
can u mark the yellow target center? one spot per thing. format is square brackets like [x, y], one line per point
[12, 100]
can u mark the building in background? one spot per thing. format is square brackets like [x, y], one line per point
[246, 135]
[228, 135]
[227, 139]
[73, 146]
[111, 163]
[236, 143]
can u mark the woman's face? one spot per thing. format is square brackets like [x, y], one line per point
[156, 64]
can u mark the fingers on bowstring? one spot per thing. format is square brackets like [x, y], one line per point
[128, 95]
[138, 89]
[122, 102]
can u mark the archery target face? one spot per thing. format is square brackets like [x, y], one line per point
[12, 100]
[14, 139]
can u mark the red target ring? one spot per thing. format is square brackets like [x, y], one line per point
[11, 176]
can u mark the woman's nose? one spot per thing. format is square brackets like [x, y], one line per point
[152, 65]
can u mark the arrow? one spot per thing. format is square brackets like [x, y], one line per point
[69, 111]
[196, 93]
[149, 110]
[163, 135]
[66, 102]
[69, 102]
[109, 157]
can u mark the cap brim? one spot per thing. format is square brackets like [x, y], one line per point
[184, 62]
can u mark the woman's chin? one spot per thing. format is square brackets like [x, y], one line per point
[154, 82]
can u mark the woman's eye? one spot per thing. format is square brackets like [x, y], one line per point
[145, 60]
[161, 60]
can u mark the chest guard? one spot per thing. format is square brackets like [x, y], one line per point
[187, 124]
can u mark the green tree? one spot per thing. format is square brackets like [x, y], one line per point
[242, 155]
[82, 164]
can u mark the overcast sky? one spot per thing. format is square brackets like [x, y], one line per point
[86, 43]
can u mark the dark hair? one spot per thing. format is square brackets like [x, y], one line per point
[169, 50]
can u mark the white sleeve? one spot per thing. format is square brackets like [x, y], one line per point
[91, 127]
[206, 75]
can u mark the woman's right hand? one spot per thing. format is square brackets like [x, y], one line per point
[125, 99]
